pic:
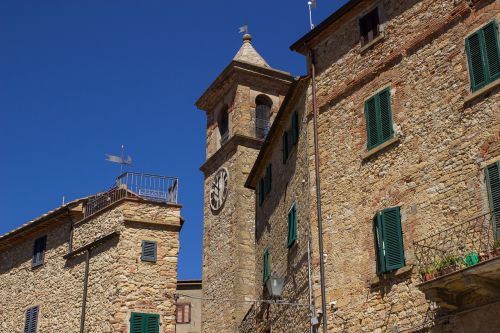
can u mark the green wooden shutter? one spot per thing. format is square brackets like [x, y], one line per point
[152, 324]
[492, 174]
[292, 225]
[261, 191]
[269, 177]
[371, 122]
[295, 128]
[384, 107]
[284, 147]
[137, 323]
[378, 241]
[490, 35]
[392, 239]
[148, 251]
[266, 270]
[476, 62]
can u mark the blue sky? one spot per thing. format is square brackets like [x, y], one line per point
[80, 78]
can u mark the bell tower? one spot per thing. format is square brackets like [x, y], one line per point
[240, 106]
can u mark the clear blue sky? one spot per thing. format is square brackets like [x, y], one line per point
[80, 78]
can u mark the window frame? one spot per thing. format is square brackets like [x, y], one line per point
[378, 31]
[380, 241]
[144, 321]
[149, 258]
[182, 306]
[292, 226]
[39, 249]
[379, 124]
[30, 322]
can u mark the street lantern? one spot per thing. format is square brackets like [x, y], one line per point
[274, 286]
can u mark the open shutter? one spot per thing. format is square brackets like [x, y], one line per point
[392, 239]
[152, 323]
[39, 251]
[295, 128]
[266, 270]
[490, 34]
[493, 183]
[476, 62]
[148, 251]
[371, 123]
[384, 106]
[137, 323]
[285, 147]
[269, 177]
[378, 240]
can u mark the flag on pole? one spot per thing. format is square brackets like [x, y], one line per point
[244, 29]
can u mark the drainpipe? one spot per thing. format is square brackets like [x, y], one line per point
[318, 193]
[85, 286]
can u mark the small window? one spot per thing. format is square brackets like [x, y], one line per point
[224, 124]
[183, 313]
[263, 106]
[483, 55]
[148, 251]
[39, 251]
[31, 319]
[285, 147]
[388, 238]
[266, 267]
[262, 194]
[369, 26]
[292, 226]
[269, 178]
[379, 119]
[144, 323]
[295, 128]
[492, 174]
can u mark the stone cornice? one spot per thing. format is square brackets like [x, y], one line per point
[227, 149]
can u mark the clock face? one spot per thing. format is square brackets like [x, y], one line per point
[218, 190]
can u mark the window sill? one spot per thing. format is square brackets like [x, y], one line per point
[375, 41]
[369, 153]
[484, 90]
[378, 279]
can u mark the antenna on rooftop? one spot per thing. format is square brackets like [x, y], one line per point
[311, 4]
[120, 159]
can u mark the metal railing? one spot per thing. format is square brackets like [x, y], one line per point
[133, 184]
[457, 247]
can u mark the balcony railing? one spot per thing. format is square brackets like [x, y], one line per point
[457, 247]
[135, 185]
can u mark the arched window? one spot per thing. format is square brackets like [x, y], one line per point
[224, 124]
[263, 106]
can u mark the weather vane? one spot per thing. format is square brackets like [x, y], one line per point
[244, 29]
[311, 4]
[120, 159]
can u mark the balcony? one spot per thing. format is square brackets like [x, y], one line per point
[460, 266]
[145, 186]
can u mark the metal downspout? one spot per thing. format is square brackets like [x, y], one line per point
[85, 287]
[318, 193]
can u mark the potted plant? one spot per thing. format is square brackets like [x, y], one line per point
[449, 264]
[428, 273]
[483, 256]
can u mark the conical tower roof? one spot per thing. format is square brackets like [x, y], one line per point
[248, 54]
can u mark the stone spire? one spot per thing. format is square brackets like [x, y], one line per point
[247, 53]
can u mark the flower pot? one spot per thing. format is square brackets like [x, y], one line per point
[483, 256]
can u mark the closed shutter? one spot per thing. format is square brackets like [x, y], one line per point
[269, 177]
[476, 61]
[490, 33]
[493, 183]
[144, 323]
[379, 118]
[392, 239]
[152, 323]
[266, 270]
[136, 323]
[371, 122]
[262, 194]
[284, 147]
[384, 104]
[39, 251]
[31, 319]
[292, 225]
[295, 128]
[148, 251]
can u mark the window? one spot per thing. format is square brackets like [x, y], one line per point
[262, 194]
[484, 56]
[224, 124]
[148, 251]
[388, 237]
[266, 268]
[263, 106]
[284, 147]
[292, 225]
[492, 174]
[369, 26]
[31, 319]
[39, 251]
[295, 128]
[379, 119]
[144, 323]
[183, 313]
[269, 177]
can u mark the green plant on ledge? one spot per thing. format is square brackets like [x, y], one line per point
[449, 263]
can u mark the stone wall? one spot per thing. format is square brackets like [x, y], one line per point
[119, 282]
[434, 170]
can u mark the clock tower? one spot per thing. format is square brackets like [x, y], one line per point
[240, 106]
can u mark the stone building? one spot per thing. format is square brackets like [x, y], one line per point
[408, 128]
[188, 306]
[240, 105]
[105, 263]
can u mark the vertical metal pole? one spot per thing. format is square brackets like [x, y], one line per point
[85, 287]
[318, 193]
